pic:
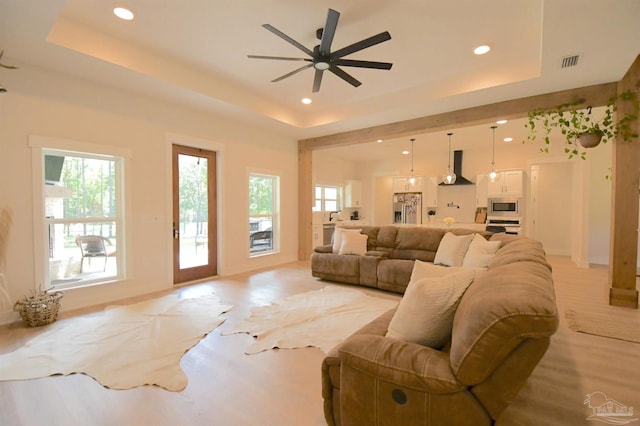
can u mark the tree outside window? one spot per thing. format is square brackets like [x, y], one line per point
[263, 213]
[82, 217]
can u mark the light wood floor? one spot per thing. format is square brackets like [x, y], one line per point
[282, 387]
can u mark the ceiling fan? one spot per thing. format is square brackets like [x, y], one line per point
[323, 59]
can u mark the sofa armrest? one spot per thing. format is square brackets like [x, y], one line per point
[323, 249]
[402, 363]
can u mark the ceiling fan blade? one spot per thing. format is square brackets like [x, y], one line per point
[363, 64]
[343, 75]
[317, 79]
[279, 58]
[329, 31]
[288, 39]
[292, 73]
[362, 44]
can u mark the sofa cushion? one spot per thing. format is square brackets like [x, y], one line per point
[417, 243]
[480, 252]
[394, 274]
[353, 243]
[452, 249]
[425, 313]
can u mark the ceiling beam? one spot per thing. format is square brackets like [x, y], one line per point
[597, 95]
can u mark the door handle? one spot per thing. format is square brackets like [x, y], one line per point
[176, 233]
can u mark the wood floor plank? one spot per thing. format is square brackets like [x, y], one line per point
[282, 387]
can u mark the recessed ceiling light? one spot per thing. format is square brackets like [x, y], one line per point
[306, 101]
[501, 122]
[508, 139]
[379, 141]
[405, 152]
[123, 13]
[481, 50]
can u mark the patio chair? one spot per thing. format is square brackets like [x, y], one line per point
[93, 246]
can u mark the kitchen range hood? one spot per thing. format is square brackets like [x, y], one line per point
[457, 169]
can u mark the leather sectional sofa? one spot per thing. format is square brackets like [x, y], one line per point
[388, 261]
[501, 329]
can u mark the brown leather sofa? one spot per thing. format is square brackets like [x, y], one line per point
[501, 330]
[388, 262]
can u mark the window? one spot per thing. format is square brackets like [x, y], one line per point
[326, 198]
[83, 217]
[263, 213]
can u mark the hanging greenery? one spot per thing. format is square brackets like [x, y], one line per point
[580, 129]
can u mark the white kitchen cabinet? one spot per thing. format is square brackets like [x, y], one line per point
[401, 184]
[509, 185]
[482, 190]
[353, 193]
[430, 191]
[316, 236]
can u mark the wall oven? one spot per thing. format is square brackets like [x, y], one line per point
[504, 207]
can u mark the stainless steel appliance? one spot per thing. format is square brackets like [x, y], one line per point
[407, 207]
[327, 233]
[509, 224]
[504, 207]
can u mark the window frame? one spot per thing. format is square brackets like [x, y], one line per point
[323, 199]
[41, 146]
[276, 177]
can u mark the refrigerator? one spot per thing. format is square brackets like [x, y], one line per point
[407, 207]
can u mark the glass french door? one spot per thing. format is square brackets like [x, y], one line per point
[194, 214]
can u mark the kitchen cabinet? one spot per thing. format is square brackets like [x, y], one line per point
[482, 190]
[353, 193]
[430, 191]
[401, 184]
[508, 185]
[316, 236]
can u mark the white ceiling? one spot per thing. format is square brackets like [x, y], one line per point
[195, 53]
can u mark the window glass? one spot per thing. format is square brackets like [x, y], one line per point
[326, 198]
[263, 213]
[82, 217]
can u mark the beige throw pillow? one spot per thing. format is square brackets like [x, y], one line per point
[452, 249]
[480, 252]
[425, 313]
[337, 237]
[353, 243]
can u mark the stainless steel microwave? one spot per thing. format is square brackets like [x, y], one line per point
[504, 207]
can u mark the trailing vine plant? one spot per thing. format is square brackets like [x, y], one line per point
[573, 123]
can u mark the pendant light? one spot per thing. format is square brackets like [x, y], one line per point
[493, 175]
[450, 178]
[412, 179]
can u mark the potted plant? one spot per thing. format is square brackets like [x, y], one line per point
[579, 127]
[431, 213]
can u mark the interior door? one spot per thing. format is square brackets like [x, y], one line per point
[194, 214]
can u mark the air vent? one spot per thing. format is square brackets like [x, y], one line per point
[570, 61]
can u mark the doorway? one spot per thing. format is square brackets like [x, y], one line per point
[552, 190]
[194, 214]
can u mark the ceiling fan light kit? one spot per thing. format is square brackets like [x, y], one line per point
[322, 59]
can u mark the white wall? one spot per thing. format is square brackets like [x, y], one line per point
[53, 105]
